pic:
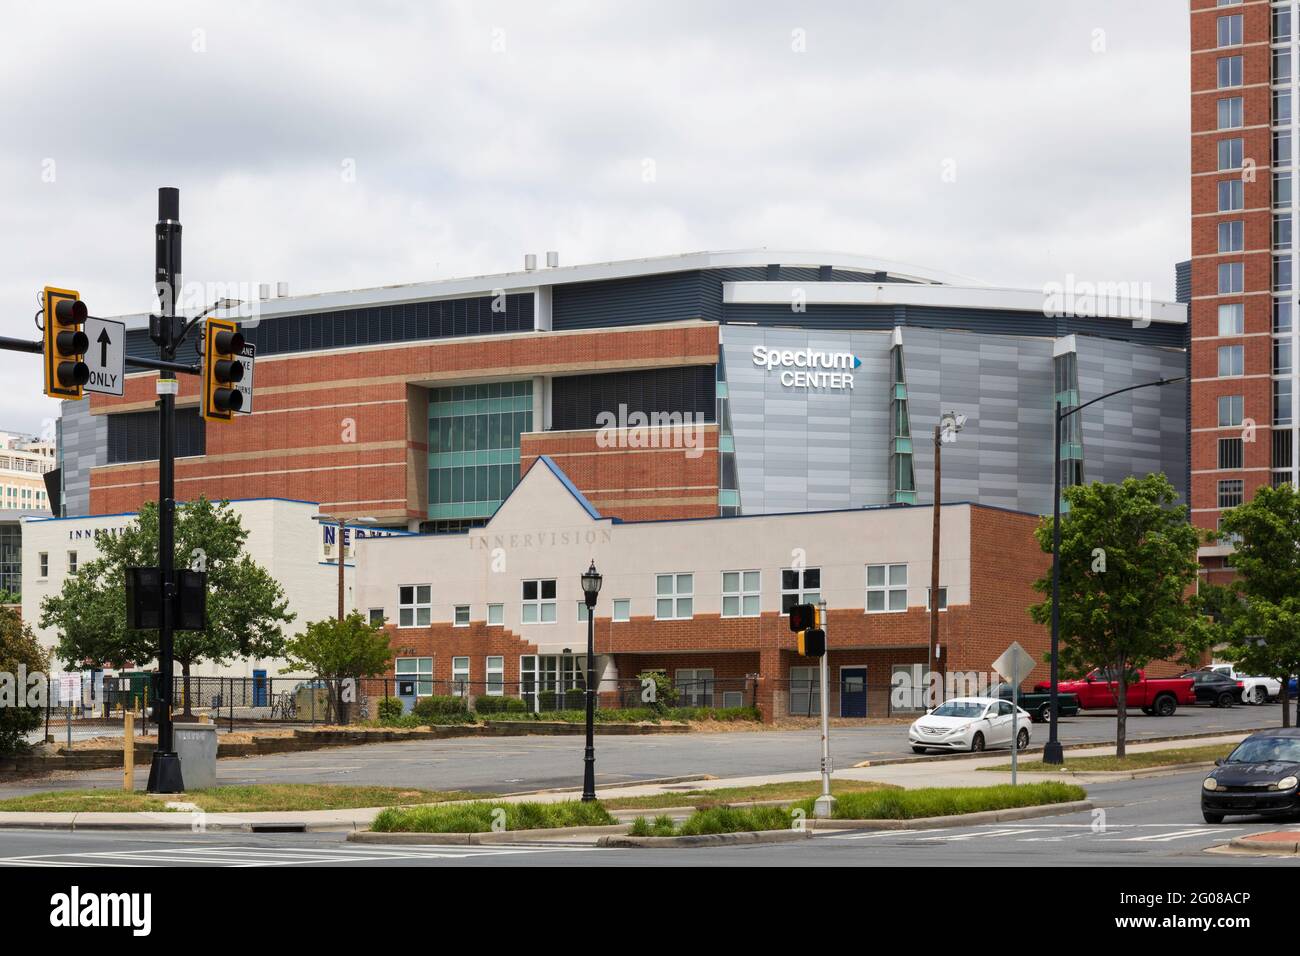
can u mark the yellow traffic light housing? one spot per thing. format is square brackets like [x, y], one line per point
[812, 642]
[222, 370]
[65, 343]
[806, 622]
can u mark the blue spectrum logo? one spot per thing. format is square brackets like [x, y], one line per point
[809, 368]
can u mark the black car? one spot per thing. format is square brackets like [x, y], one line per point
[1038, 703]
[1259, 777]
[1215, 688]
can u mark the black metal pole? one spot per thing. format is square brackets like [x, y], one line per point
[1052, 752]
[165, 771]
[589, 755]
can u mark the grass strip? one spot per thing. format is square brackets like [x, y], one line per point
[790, 790]
[483, 817]
[267, 797]
[946, 801]
[1141, 760]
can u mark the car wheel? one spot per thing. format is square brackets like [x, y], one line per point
[1045, 713]
[1224, 700]
[1165, 706]
[1022, 739]
[977, 744]
[1258, 695]
[918, 750]
[1212, 817]
[1150, 712]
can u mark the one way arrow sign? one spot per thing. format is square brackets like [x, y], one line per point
[107, 355]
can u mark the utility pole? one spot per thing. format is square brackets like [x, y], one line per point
[945, 430]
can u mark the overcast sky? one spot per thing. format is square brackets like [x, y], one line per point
[341, 145]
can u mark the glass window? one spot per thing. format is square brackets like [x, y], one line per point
[1228, 30]
[414, 605]
[1231, 195]
[1281, 189]
[1281, 273]
[1281, 25]
[1281, 315]
[72, 562]
[805, 691]
[538, 602]
[45, 564]
[694, 686]
[1282, 232]
[496, 615]
[377, 617]
[1232, 318]
[886, 588]
[1282, 148]
[1232, 235]
[1231, 358]
[1229, 70]
[1230, 410]
[943, 599]
[622, 609]
[1230, 452]
[461, 618]
[1282, 401]
[674, 596]
[418, 668]
[495, 668]
[740, 593]
[1281, 67]
[582, 612]
[1281, 357]
[1230, 492]
[1281, 107]
[800, 586]
[1231, 277]
[1230, 112]
[459, 676]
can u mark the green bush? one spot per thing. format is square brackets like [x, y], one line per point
[946, 801]
[438, 705]
[662, 826]
[479, 817]
[716, 820]
[665, 694]
[575, 699]
[499, 705]
[390, 708]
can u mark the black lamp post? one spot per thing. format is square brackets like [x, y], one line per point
[1053, 752]
[590, 588]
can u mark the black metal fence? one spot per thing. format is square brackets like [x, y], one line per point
[847, 697]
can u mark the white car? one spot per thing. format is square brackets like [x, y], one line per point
[1254, 690]
[969, 723]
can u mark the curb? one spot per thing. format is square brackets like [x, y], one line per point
[482, 839]
[956, 820]
[1105, 776]
[1275, 843]
[704, 839]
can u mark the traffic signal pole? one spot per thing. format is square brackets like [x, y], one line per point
[824, 806]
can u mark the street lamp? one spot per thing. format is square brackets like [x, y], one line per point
[342, 522]
[945, 432]
[591, 580]
[1053, 752]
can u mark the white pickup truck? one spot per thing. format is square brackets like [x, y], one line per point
[1254, 690]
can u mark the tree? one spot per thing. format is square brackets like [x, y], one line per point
[10, 597]
[340, 651]
[23, 663]
[1261, 619]
[246, 606]
[1128, 563]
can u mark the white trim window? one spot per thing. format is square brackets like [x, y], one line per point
[419, 669]
[622, 609]
[886, 588]
[800, 586]
[740, 593]
[694, 686]
[582, 612]
[45, 564]
[496, 615]
[459, 676]
[674, 597]
[538, 605]
[943, 599]
[496, 676]
[460, 617]
[414, 605]
[72, 562]
[377, 617]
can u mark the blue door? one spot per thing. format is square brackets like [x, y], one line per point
[259, 688]
[853, 692]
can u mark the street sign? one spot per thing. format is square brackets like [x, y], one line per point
[106, 355]
[1014, 664]
[245, 384]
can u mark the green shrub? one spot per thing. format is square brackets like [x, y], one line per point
[946, 801]
[575, 699]
[665, 694]
[662, 826]
[546, 700]
[390, 708]
[499, 705]
[427, 708]
[735, 820]
[479, 817]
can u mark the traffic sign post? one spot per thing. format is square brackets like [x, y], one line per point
[106, 355]
[1014, 665]
[245, 384]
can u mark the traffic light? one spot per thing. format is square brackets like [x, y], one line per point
[65, 343]
[806, 621]
[222, 370]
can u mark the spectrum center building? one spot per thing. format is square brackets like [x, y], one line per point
[684, 418]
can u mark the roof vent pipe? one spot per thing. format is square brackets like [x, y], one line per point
[264, 291]
[530, 262]
[552, 260]
[282, 290]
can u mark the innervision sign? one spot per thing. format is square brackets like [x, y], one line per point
[809, 368]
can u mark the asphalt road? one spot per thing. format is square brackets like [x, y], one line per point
[512, 764]
[1151, 822]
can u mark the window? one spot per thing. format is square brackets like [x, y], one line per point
[538, 602]
[1229, 70]
[419, 669]
[1230, 492]
[496, 675]
[45, 564]
[943, 599]
[459, 676]
[582, 612]
[1232, 319]
[1281, 315]
[72, 562]
[1228, 30]
[740, 593]
[461, 618]
[1231, 277]
[1231, 358]
[622, 609]
[1231, 195]
[1282, 148]
[800, 586]
[910, 679]
[1281, 189]
[674, 596]
[496, 615]
[377, 617]
[1281, 273]
[1281, 357]
[694, 686]
[1281, 25]
[414, 605]
[886, 588]
[1230, 451]
[805, 691]
[1232, 235]
[1282, 401]
[1230, 115]
[1281, 232]
[1281, 67]
[1281, 107]
[1230, 410]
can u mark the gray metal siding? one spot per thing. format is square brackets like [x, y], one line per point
[84, 440]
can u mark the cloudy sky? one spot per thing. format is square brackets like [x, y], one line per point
[341, 145]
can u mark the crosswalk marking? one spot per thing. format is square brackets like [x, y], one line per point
[1049, 833]
[1177, 835]
[253, 856]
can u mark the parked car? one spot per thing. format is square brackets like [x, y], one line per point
[1215, 688]
[969, 723]
[1255, 690]
[1039, 703]
[1260, 776]
[1158, 696]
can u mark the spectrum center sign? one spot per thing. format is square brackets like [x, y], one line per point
[809, 368]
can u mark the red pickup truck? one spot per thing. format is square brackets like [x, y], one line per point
[1158, 696]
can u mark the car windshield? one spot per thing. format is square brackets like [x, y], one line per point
[1267, 750]
[959, 708]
